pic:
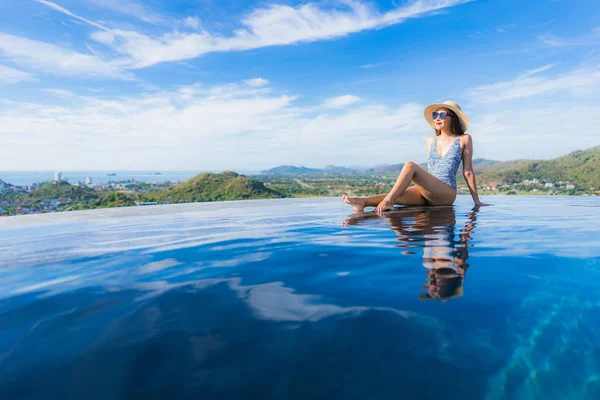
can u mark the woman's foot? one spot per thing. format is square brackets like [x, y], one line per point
[356, 202]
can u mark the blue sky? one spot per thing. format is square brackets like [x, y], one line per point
[249, 85]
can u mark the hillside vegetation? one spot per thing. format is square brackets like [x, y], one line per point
[581, 167]
[227, 185]
[62, 189]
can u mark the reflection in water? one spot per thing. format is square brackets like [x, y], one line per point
[432, 229]
[283, 305]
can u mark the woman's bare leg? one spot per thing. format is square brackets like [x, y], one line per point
[410, 197]
[428, 189]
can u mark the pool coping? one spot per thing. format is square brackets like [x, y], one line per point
[15, 221]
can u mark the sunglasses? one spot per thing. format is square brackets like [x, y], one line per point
[442, 114]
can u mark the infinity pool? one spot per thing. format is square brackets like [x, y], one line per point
[299, 299]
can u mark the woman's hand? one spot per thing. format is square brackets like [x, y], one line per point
[481, 204]
[386, 205]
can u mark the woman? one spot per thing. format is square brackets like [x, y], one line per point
[437, 186]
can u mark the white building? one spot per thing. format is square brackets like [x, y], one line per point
[146, 203]
[58, 176]
[88, 180]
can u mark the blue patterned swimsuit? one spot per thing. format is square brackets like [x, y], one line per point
[444, 168]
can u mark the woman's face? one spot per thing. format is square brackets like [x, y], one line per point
[445, 123]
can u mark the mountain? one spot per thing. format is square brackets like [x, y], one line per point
[581, 167]
[387, 169]
[481, 165]
[208, 186]
[290, 169]
[332, 169]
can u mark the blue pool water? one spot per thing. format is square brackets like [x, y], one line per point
[297, 299]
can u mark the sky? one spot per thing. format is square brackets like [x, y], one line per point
[250, 85]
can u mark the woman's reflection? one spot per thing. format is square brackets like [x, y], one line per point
[433, 230]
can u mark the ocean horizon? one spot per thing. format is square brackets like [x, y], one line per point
[31, 177]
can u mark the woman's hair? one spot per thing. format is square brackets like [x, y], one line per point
[456, 126]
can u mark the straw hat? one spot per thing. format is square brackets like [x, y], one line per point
[464, 121]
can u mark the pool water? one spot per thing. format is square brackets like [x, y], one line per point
[302, 299]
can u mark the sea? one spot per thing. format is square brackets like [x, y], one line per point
[304, 299]
[31, 177]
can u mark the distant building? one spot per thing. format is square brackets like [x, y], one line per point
[549, 184]
[494, 185]
[570, 186]
[125, 186]
[146, 203]
[58, 176]
[88, 180]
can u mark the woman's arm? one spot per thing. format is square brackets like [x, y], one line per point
[468, 172]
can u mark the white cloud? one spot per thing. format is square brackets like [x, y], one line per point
[504, 28]
[270, 26]
[256, 82]
[59, 92]
[218, 127]
[535, 117]
[47, 57]
[10, 75]
[586, 39]
[103, 37]
[368, 66]
[536, 71]
[199, 127]
[192, 22]
[341, 101]
[131, 8]
[70, 14]
[552, 40]
[541, 130]
[581, 80]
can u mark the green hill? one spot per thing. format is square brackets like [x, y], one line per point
[482, 166]
[104, 200]
[226, 185]
[581, 167]
[58, 189]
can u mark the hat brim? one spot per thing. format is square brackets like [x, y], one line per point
[464, 121]
[426, 296]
